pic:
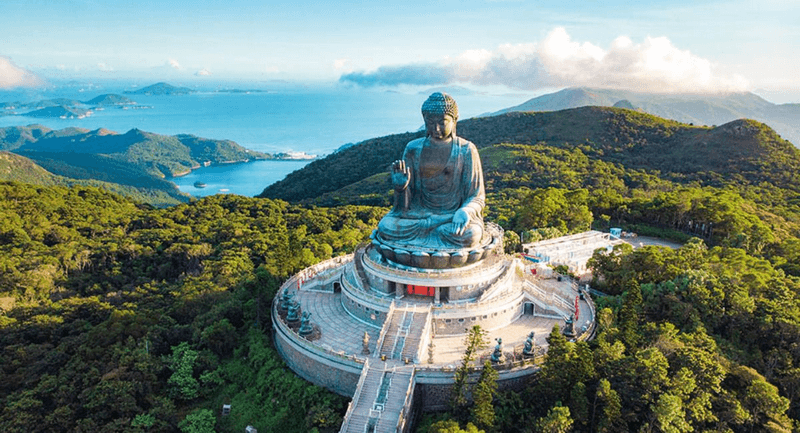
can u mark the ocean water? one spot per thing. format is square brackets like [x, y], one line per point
[244, 179]
[275, 118]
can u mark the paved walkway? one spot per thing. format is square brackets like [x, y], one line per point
[449, 349]
[342, 333]
[339, 331]
[641, 241]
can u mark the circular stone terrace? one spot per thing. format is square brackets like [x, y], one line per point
[387, 345]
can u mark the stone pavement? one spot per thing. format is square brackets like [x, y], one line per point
[342, 333]
[449, 350]
[339, 331]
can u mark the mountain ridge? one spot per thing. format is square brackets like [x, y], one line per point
[701, 109]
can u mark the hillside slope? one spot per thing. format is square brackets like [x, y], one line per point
[17, 136]
[161, 89]
[137, 159]
[742, 152]
[18, 168]
[159, 155]
[714, 109]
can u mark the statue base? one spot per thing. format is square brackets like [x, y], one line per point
[419, 257]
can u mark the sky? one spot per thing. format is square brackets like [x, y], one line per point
[661, 46]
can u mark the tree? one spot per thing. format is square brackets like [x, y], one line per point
[482, 395]
[611, 416]
[143, 420]
[579, 404]
[669, 414]
[182, 362]
[511, 242]
[766, 405]
[474, 341]
[557, 420]
[198, 421]
[451, 426]
[629, 315]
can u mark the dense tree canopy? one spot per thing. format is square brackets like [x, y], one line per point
[120, 317]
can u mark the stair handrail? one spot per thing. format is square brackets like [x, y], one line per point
[356, 397]
[402, 417]
[424, 336]
[386, 325]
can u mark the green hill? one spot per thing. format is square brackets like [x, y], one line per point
[18, 168]
[701, 109]
[55, 102]
[158, 155]
[161, 89]
[61, 111]
[110, 99]
[137, 159]
[15, 136]
[743, 151]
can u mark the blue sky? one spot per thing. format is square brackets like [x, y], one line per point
[663, 45]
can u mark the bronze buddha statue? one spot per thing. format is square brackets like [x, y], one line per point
[438, 184]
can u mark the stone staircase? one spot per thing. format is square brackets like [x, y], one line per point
[405, 332]
[397, 397]
[383, 393]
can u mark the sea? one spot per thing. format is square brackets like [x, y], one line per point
[315, 119]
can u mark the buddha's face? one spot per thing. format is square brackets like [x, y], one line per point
[439, 126]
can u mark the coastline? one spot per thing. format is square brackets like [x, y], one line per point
[207, 164]
[247, 179]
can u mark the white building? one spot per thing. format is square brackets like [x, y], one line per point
[572, 251]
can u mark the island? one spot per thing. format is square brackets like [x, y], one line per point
[161, 89]
[61, 111]
[110, 99]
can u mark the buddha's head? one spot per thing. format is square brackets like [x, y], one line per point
[441, 114]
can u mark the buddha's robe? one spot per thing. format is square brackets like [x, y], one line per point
[422, 216]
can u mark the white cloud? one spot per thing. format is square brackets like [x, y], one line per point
[104, 67]
[12, 75]
[203, 73]
[174, 64]
[341, 64]
[654, 65]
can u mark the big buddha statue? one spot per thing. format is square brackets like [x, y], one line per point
[438, 188]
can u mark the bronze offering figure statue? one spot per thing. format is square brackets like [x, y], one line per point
[497, 355]
[529, 344]
[569, 327]
[438, 184]
[305, 324]
[293, 316]
[286, 299]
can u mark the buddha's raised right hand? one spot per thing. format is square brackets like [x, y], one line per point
[401, 175]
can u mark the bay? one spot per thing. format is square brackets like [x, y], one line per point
[247, 179]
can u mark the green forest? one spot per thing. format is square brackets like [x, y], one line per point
[119, 316]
